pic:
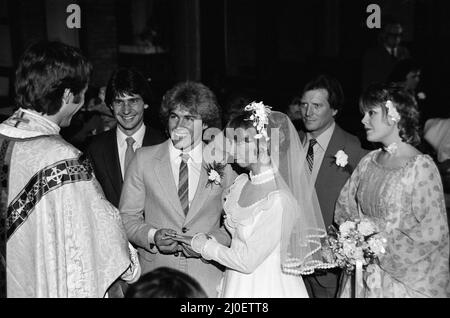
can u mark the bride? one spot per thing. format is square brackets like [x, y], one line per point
[272, 213]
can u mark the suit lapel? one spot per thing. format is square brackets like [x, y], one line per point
[337, 142]
[164, 174]
[147, 137]
[112, 163]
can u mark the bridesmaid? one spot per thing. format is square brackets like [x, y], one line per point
[400, 190]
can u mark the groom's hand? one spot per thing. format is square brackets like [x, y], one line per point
[164, 243]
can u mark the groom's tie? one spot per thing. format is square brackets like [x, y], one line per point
[310, 154]
[183, 183]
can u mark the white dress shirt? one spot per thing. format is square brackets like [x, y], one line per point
[194, 164]
[138, 136]
[319, 149]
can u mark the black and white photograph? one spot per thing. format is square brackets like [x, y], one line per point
[244, 153]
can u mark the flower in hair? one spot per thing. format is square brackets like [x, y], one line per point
[260, 118]
[392, 111]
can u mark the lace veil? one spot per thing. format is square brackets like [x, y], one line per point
[303, 227]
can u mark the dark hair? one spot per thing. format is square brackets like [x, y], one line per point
[196, 98]
[240, 120]
[403, 68]
[127, 81]
[45, 70]
[165, 282]
[376, 95]
[235, 104]
[332, 86]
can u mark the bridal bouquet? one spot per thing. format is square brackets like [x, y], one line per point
[356, 243]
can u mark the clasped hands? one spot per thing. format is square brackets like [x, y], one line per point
[169, 241]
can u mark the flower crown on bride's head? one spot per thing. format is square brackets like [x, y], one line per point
[260, 118]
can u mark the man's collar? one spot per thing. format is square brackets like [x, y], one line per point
[138, 135]
[196, 154]
[324, 138]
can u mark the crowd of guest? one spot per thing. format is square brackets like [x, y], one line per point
[135, 214]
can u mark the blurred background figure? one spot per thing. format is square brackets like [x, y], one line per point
[378, 62]
[437, 134]
[234, 104]
[94, 118]
[165, 282]
[293, 110]
[406, 73]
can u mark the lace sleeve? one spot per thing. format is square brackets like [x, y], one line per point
[246, 254]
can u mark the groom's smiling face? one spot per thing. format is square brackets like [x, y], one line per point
[185, 128]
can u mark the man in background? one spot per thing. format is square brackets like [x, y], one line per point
[379, 62]
[128, 96]
[321, 100]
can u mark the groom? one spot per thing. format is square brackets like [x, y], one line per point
[166, 189]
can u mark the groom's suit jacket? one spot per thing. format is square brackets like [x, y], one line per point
[329, 183]
[150, 200]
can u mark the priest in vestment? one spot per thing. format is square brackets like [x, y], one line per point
[59, 236]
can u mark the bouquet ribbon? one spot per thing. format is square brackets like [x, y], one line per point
[359, 279]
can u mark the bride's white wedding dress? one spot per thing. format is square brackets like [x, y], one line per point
[253, 260]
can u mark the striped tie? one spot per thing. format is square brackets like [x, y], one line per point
[310, 154]
[183, 183]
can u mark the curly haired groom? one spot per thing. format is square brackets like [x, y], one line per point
[165, 190]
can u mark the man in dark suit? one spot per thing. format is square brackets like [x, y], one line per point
[321, 100]
[379, 61]
[128, 96]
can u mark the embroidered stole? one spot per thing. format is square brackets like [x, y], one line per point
[12, 216]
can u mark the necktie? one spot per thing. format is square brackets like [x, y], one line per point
[129, 153]
[183, 183]
[310, 154]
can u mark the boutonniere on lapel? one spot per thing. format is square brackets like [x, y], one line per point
[341, 160]
[215, 173]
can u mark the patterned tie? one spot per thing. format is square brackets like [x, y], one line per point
[183, 183]
[310, 154]
[129, 153]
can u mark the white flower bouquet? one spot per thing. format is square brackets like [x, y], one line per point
[355, 242]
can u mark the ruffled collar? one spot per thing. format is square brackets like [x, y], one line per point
[25, 123]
